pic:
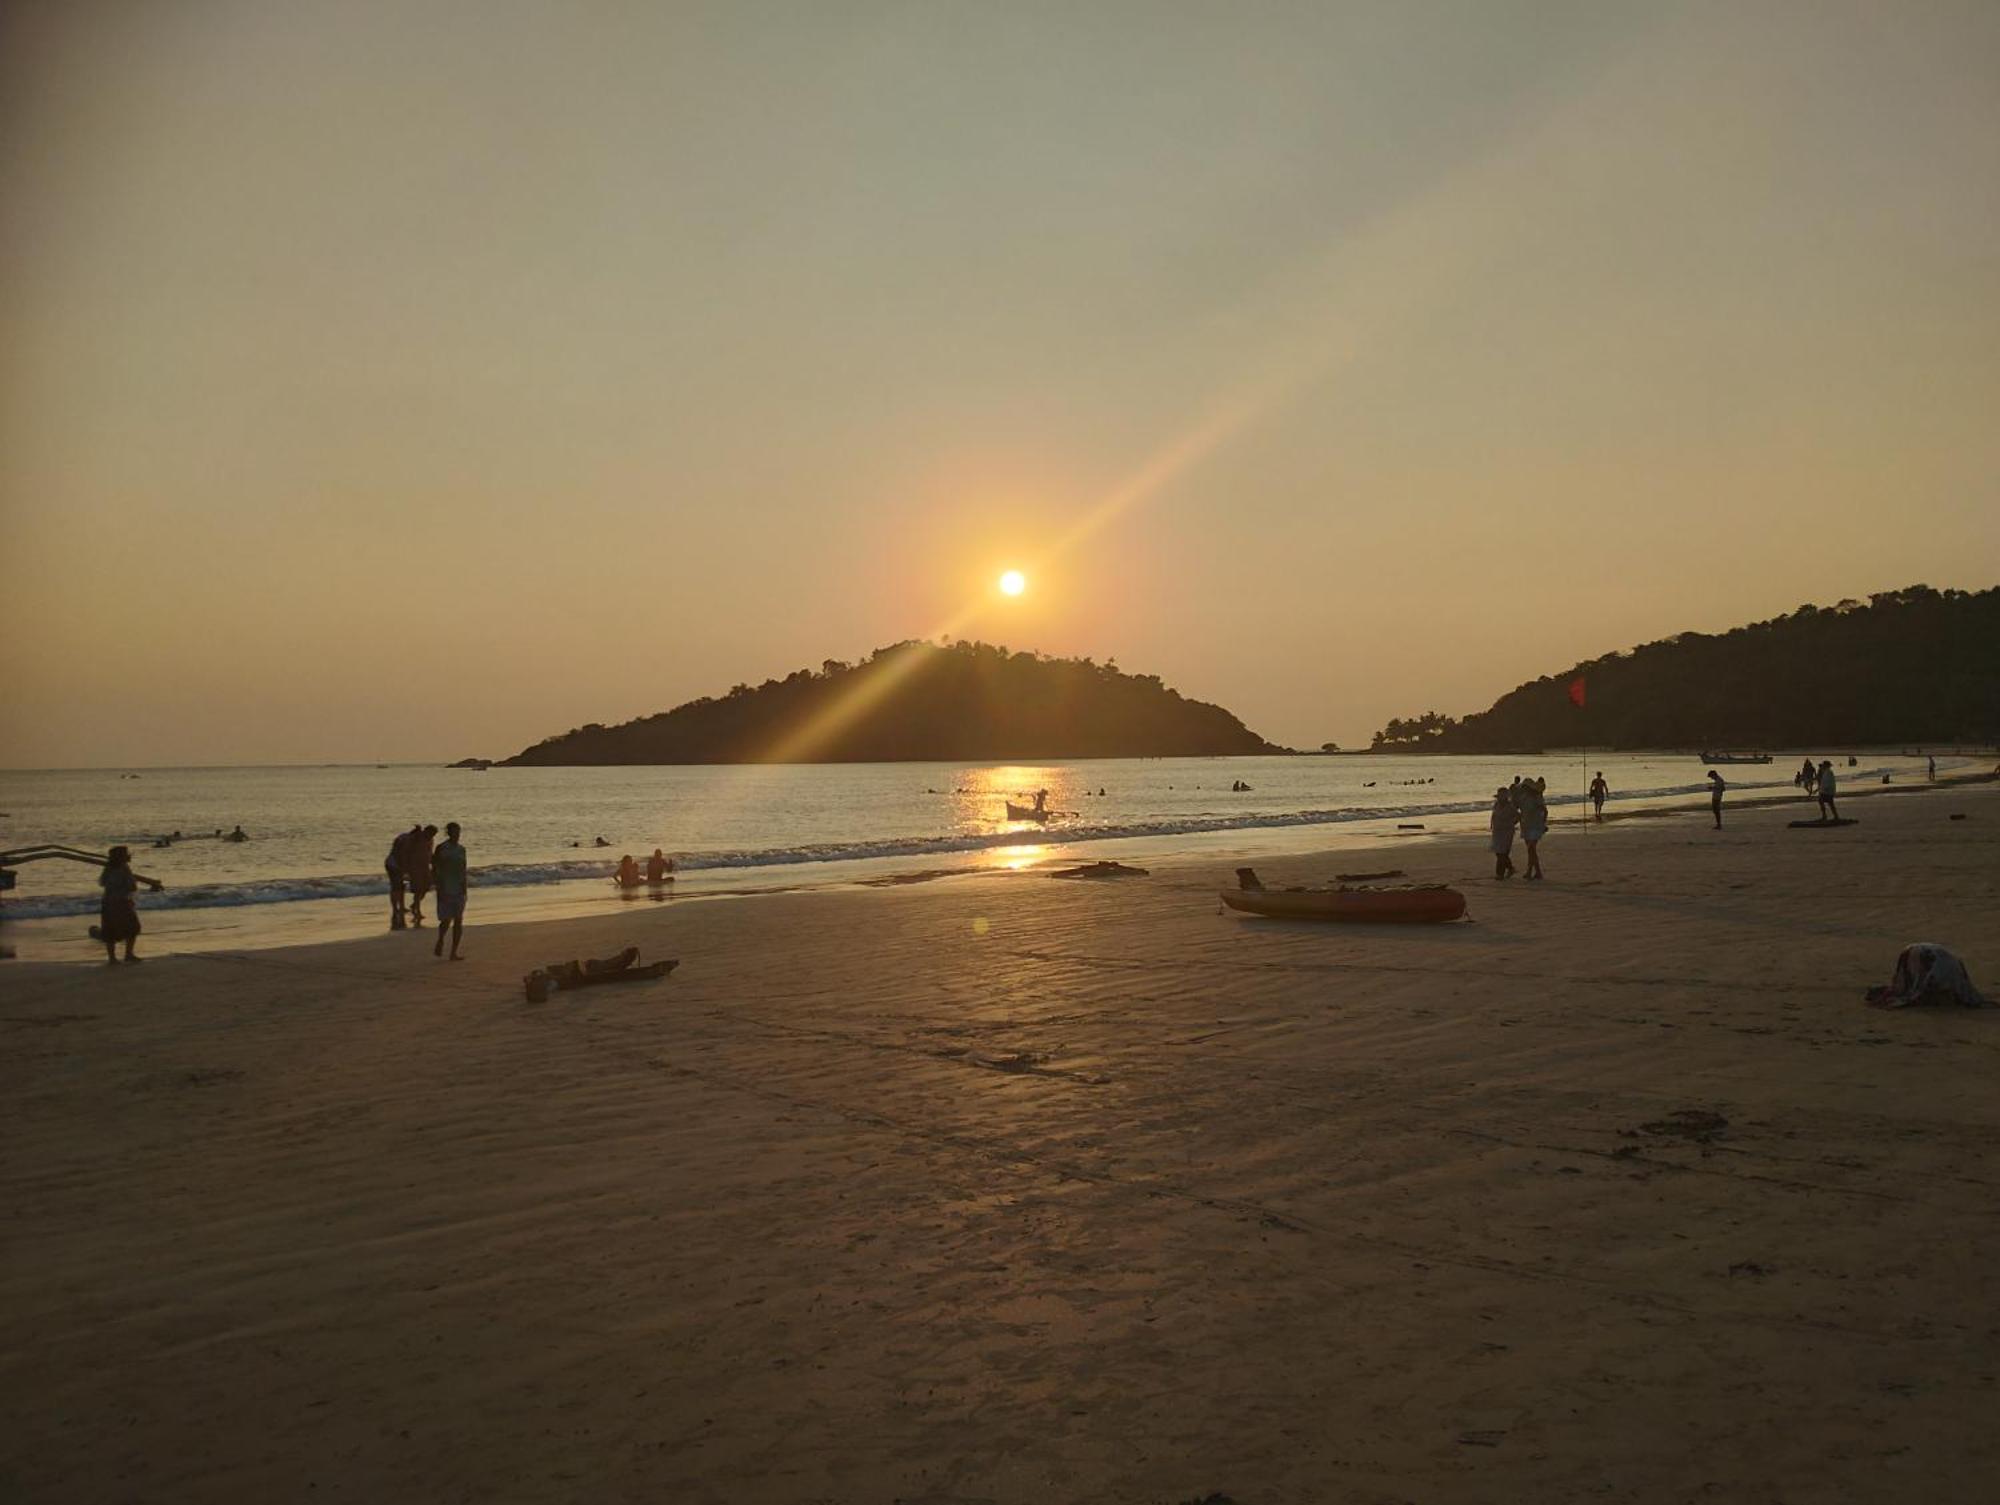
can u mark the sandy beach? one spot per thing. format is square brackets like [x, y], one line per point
[1008, 1189]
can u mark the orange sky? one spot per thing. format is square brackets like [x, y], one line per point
[403, 382]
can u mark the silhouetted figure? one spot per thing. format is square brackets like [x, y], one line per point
[1528, 799]
[1807, 778]
[118, 913]
[1501, 824]
[600, 842]
[658, 866]
[1715, 788]
[1041, 801]
[1828, 785]
[239, 834]
[417, 868]
[1930, 768]
[399, 877]
[448, 872]
[628, 872]
[1599, 793]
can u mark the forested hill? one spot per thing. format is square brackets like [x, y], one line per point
[1908, 666]
[920, 702]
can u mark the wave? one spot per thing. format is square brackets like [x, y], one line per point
[292, 890]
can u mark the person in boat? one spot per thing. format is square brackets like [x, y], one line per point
[118, 913]
[1599, 793]
[658, 866]
[1502, 823]
[398, 876]
[417, 868]
[448, 871]
[1041, 802]
[1829, 785]
[1528, 799]
[1715, 788]
[628, 872]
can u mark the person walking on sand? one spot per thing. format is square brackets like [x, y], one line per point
[417, 869]
[1501, 823]
[1715, 788]
[1599, 793]
[398, 876]
[1930, 769]
[1534, 821]
[448, 873]
[118, 914]
[1828, 786]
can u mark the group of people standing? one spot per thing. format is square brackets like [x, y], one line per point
[1823, 783]
[416, 865]
[1522, 804]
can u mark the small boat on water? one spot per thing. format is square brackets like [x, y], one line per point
[1027, 812]
[1735, 757]
[1409, 904]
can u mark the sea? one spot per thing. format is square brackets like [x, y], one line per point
[312, 866]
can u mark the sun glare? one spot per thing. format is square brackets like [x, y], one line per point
[1013, 583]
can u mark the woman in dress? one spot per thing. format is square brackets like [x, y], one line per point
[1534, 821]
[1502, 826]
[118, 918]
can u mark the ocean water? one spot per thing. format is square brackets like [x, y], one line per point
[312, 868]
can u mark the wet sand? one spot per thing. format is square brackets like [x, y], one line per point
[1008, 1189]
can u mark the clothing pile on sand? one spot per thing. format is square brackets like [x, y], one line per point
[1927, 973]
[561, 976]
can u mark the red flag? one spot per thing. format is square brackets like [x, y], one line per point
[1576, 692]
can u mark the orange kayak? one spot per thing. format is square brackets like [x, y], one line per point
[1427, 904]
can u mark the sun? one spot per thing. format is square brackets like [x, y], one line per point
[1013, 583]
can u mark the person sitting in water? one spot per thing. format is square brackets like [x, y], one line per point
[628, 872]
[237, 835]
[600, 842]
[658, 866]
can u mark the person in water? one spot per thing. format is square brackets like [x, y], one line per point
[1599, 793]
[1502, 823]
[448, 872]
[1828, 786]
[118, 914]
[658, 866]
[1534, 821]
[1041, 801]
[1715, 788]
[237, 835]
[628, 872]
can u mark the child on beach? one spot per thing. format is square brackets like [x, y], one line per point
[448, 873]
[1502, 825]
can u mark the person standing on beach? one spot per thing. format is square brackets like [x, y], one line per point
[448, 872]
[1534, 810]
[1828, 785]
[417, 869]
[393, 866]
[1930, 769]
[1599, 793]
[1501, 823]
[1807, 778]
[1715, 788]
[118, 914]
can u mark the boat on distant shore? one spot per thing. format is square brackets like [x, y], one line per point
[1735, 757]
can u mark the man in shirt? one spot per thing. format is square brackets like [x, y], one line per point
[448, 874]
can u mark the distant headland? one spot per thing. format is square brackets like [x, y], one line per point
[919, 702]
[1913, 665]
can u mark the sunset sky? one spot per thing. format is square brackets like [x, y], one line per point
[391, 381]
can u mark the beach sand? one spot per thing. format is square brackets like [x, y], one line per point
[1009, 1189]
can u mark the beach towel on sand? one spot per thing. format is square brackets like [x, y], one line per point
[1927, 973]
